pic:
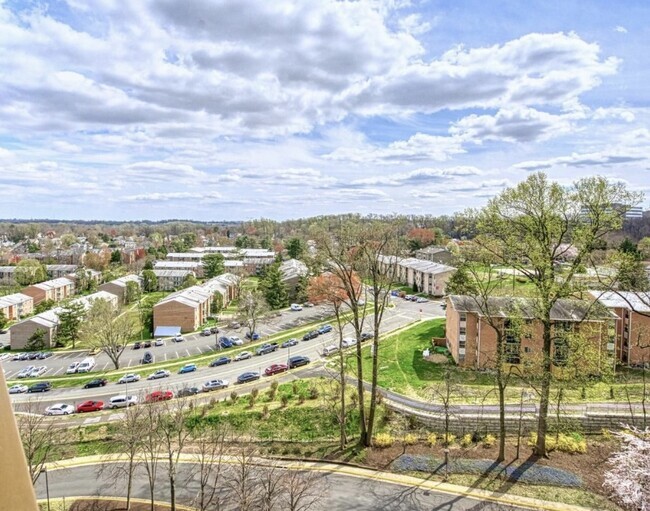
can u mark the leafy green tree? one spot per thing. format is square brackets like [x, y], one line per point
[213, 265]
[45, 305]
[217, 303]
[116, 257]
[627, 246]
[302, 289]
[132, 292]
[29, 271]
[3, 320]
[644, 248]
[274, 289]
[189, 281]
[148, 264]
[70, 319]
[295, 248]
[526, 227]
[631, 274]
[36, 341]
[149, 281]
[244, 241]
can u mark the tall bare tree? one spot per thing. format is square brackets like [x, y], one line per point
[252, 307]
[210, 445]
[150, 449]
[304, 491]
[243, 480]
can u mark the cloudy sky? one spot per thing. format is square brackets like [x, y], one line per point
[209, 110]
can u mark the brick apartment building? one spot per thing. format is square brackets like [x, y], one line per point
[187, 309]
[16, 306]
[55, 289]
[473, 342]
[422, 276]
[118, 286]
[632, 325]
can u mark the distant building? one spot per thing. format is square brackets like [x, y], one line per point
[187, 309]
[16, 306]
[118, 286]
[438, 255]
[168, 280]
[422, 276]
[195, 266]
[56, 271]
[292, 271]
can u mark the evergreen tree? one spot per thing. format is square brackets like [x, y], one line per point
[70, 319]
[274, 289]
[213, 265]
[3, 320]
[149, 281]
[295, 248]
[301, 293]
[116, 257]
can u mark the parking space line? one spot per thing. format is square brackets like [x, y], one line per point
[165, 355]
[176, 354]
[57, 371]
[188, 352]
[105, 366]
[129, 364]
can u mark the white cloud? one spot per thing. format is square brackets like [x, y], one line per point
[600, 159]
[415, 177]
[621, 29]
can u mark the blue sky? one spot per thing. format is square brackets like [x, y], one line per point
[212, 110]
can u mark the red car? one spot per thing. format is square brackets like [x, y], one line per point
[275, 369]
[159, 395]
[90, 406]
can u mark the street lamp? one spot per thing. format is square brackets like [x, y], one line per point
[47, 486]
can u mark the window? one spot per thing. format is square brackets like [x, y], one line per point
[560, 352]
[512, 348]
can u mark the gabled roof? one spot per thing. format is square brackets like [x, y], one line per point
[54, 284]
[192, 296]
[122, 281]
[508, 306]
[293, 268]
[417, 264]
[14, 299]
[638, 302]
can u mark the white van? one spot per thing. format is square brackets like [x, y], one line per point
[86, 365]
[330, 350]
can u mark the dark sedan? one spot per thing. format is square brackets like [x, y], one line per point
[310, 335]
[40, 387]
[97, 382]
[298, 360]
[220, 361]
[248, 376]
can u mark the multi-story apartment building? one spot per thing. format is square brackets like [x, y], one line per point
[55, 289]
[168, 280]
[16, 306]
[187, 309]
[118, 286]
[422, 276]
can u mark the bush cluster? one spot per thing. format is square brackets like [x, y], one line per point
[410, 439]
[572, 444]
[383, 440]
[489, 441]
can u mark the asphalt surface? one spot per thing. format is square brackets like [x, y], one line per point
[340, 492]
[402, 314]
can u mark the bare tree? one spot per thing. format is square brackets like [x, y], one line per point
[304, 491]
[243, 482]
[252, 307]
[151, 418]
[39, 435]
[270, 486]
[173, 435]
[210, 444]
[108, 330]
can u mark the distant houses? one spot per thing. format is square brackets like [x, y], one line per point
[292, 271]
[168, 280]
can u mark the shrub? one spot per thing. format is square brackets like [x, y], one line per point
[284, 401]
[606, 434]
[489, 441]
[448, 439]
[410, 439]
[466, 441]
[294, 388]
[234, 396]
[432, 439]
[313, 393]
[265, 412]
[383, 440]
[572, 444]
[251, 401]
[255, 392]
[301, 398]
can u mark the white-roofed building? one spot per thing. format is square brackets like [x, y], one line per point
[55, 289]
[169, 280]
[292, 271]
[194, 266]
[16, 305]
[422, 276]
[118, 286]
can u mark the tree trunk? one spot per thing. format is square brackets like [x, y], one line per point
[172, 492]
[363, 434]
[502, 417]
[373, 390]
[542, 419]
[129, 484]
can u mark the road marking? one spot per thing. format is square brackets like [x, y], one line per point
[188, 352]
[92, 420]
[129, 364]
[165, 355]
[116, 417]
[57, 371]
[176, 354]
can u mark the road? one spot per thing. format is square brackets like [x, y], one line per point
[402, 314]
[340, 492]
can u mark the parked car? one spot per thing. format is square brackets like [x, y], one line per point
[214, 385]
[220, 361]
[160, 373]
[275, 369]
[43, 386]
[422, 300]
[234, 325]
[187, 368]
[59, 409]
[206, 332]
[308, 304]
[252, 336]
[248, 376]
[366, 336]
[214, 330]
[147, 358]
[72, 368]
[236, 341]
[97, 382]
[296, 307]
[159, 342]
[224, 342]
[38, 371]
[90, 406]
[44, 354]
[33, 355]
[244, 355]
[129, 378]
[267, 348]
[159, 395]
[330, 350]
[178, 338]
[298, 360]
[310, 335]
[348, 341]
[26, 372]
[24, 356]
[187, 391]
[325, 329]
[137, 345]
[122, 401]
[289, 342]
[18, 389]
[146, 344]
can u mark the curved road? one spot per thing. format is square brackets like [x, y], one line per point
[340, 491]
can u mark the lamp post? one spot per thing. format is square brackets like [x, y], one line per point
[47, 486]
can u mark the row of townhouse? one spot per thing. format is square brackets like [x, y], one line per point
[292, 272]
[56, 290]
[249, 260]
[54, 271]
[423, 276]
[472, 338]
[119, 286]
[168, 280]
[16, 305]
[48, 321]
[190, 308]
